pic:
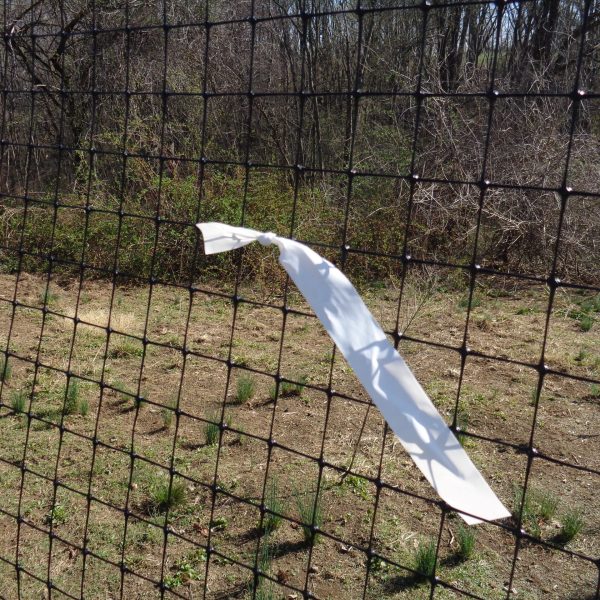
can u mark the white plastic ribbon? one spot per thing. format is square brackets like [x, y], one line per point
[381, 370]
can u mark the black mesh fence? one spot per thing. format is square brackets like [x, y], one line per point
[176, 425]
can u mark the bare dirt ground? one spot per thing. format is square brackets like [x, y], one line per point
[497, 402]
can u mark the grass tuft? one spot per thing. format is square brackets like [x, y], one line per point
[571, 526]
[462, 427]
[245, 389]
[57, 515]
[273, 502]
[547, 504]
[586, 322]
[165, 497]
[126, 349]
[72, 400]
[264, 587]
[287, 389]
[424, 559]
[465, 536]
[5, 369]
[311, 515]
[84, 407]
[475, 301]
[18, 400]
[167, 414]
[211, 430]
[48, 297]
[539, 506]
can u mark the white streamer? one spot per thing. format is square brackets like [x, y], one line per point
[381, 370]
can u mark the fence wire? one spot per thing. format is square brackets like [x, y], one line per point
[212, 102]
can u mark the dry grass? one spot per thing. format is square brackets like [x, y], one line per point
[497, 399]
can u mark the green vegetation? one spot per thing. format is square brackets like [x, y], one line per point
[219, 523]
[586, 322]
[475, 301]
[424, 559]
[310, 512]
[186, 569]
[166, 495]
[540, 507]
[126, 348]
[462, 426]
[245, 389]
[465, 537]
[84, 407]
[211, 430]
[264, 587]
[167, 414]
[273, 502]
[571, 525]
[5, 369]
[524, 505]
[288, 389]
[586, 311]
[72, 398]
[18, 401]
[358, 485]
[48, 297]
[57, 515]
[547, 504]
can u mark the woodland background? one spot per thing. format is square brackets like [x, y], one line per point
[114, 113]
